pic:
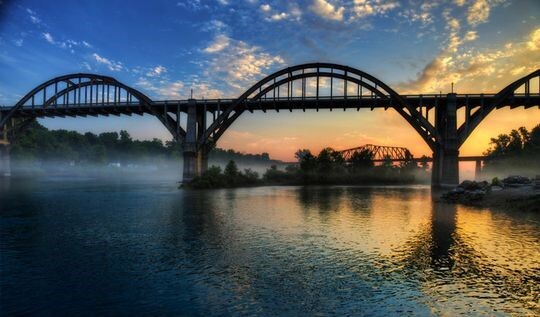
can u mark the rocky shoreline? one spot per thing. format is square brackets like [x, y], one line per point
[515, 193]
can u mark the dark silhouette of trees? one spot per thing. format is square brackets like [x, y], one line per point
[39, 144]
[517, 150]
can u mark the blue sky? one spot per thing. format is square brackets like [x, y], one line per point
[221, 47]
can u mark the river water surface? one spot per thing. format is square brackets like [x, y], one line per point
[72, 246]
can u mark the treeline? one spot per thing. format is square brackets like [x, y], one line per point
[39, 144]
[517, 151]
[328, 167]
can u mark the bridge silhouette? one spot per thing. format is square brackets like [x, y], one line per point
[302, 87]
[384, 153]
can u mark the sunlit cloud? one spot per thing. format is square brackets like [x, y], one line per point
[478, 69]
[220, 42]
[327, 10]
[365, 8]
[478, 12]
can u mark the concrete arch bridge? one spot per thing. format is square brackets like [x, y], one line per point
[198, 124]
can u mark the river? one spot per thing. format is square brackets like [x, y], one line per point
[76, 246]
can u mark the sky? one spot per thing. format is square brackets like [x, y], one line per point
[219, 48]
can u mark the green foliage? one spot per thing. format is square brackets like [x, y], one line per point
[231, 177]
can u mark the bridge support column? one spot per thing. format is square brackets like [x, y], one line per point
[5, 163]
[478, 170]
[202, 161]
[195, 156]
[445, 158]
[190, 144]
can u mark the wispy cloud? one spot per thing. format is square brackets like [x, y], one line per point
[156, 71]
[177, 89]
[48, 37]
[33, 16]
[110, 64]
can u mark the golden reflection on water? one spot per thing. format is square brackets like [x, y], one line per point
[464, 259]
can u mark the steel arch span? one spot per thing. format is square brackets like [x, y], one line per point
[84, 94]
[363, 82]
[501, 99]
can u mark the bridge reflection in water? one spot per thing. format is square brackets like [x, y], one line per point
[307, 86]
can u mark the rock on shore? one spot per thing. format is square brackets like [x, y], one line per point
[514, 192]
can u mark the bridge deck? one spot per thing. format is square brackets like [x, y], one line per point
[426, 102]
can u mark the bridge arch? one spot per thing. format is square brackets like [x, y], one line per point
[89, 90]
[287, 76]
[501, 99]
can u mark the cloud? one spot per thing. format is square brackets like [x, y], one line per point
[279, 16]
[239, 64]
[18, 42]
[178, 89]
[471, 36]
[48, 37]
[215, 26]
[478, 70]
[294, 13]
[156, 71]
[265, 7]
[327, 10]
[33, 16]
[534, 41]
[111, 65]
[67, 44]
[364, 8]
[478, 12]
[220, 42]
[194, 5]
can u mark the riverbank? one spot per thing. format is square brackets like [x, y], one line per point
[509, 197]
[516, 199]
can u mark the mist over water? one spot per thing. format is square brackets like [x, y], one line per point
[139, 246]
[151, 168]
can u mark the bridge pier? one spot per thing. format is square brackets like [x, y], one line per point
[477, 170]
[5, 163]
[195, 157]
[445, 171]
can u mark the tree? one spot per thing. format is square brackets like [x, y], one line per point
[361, 160]
[308, 162]
[231, 170]
[325, 160]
